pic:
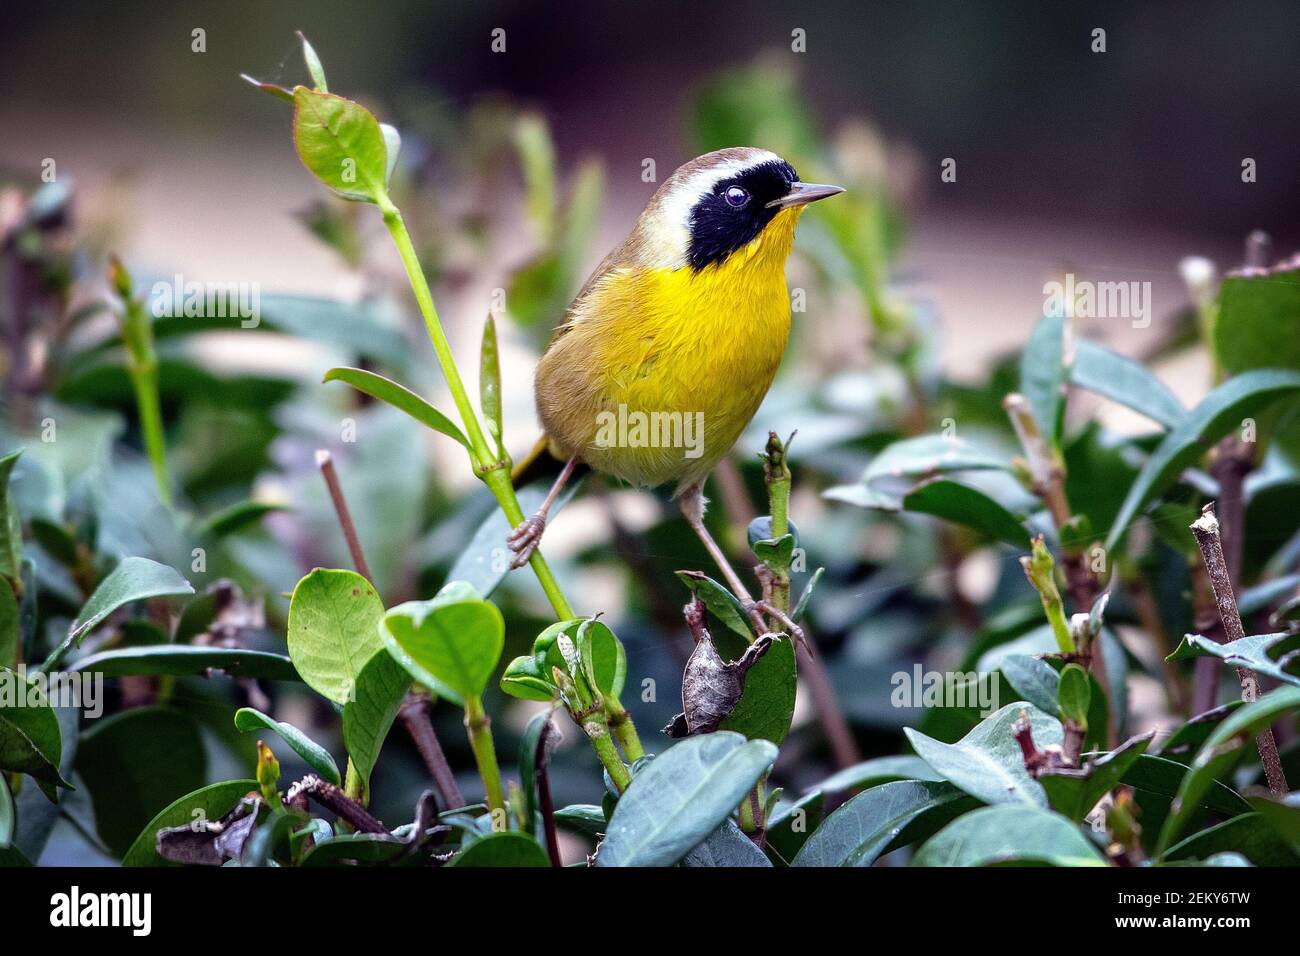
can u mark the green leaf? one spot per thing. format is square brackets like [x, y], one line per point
[878, 770]
[880, 819]
[184, 659]
[722, 604]
[1074, 695]
[603, 659]
[11, 529]
[134, 579]
[502, 849]
[727, 846]
[766, 705]
[537, 160]
[207, 804]
[1282, 814]
[1258, 320]
[235, 518]
[341, 143]
[774, 552]
[400, 397]
[1009, 834]
[1125, 381]
[585, 818]
[790, 825]
[9, 640]
[30, 739]
[681, 797]
[489, 379]
[1219, 413]
[1043, 375]
[334, 620]
[1269, 654]
[962, 504]
[312, 753]
[533, 759]
[1163, 777]
[1034, 680]
[925, 456]
[1074, 792]
[381, 688]
[135, 764]
[1220, 753]
[313, 65]
[448, 644]
[1248, 834]
[6, 815]
[987, 763]
[525, 679]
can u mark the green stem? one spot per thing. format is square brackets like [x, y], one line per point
[144, 378]
[597, 731]
[479, 727]
[353, 785]
[620, 724]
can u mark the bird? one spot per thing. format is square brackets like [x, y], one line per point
[666, 352]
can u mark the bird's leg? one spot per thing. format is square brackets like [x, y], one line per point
[693, 502]
[525, 538]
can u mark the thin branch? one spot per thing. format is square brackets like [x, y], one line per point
[325, 461]
[332, 798]
[414, 713]
[1206, 530]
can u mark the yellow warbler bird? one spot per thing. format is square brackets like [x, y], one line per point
[667, 351]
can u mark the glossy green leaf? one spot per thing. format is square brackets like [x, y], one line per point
[333, 630]
[367, 718]
[766, 706]
[1163, 777]
[987, 763]
[880, 819]
[681, 797]
[925, 456]
[134, 579]
[533, 757]
[1009, 834]
[1282, 814]
[1258, 320]
[727, 846]
[235, 518]
[722, 604]
[962, 504]
[585, 818]
[524, 679]
[312, 753]
[1269, 654]
[1074, 695]
[341, 143]
[400, 397]
[1074, 792]
[447, 644]
[1125, 381]
[11, 530]
[207, 804]
[1034, 680]
[183, 659]
[790, 824]
[489, 379]
[502, 849]
[1222, 750]
[1043, 375]
[1248, 834]
[135, 764]
[9, 640]
[878, 770]
[31, 741]
[1219, 413]
[603, 658]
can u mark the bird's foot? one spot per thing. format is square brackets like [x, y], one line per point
[523, 541]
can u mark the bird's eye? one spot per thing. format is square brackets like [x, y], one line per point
[736, 197]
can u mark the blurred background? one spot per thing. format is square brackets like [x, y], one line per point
[519, 170]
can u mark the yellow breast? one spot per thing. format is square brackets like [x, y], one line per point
[660, 370]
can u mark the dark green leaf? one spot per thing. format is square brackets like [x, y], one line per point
[987, 763]
[962, 504]
[31, 741]
[1034, 680]
[208, 804]
[585, 818]
[880, 819]
[182, 659]
[1282, 814]
[878, 770]
[312, 753]
[1269, 654]
[1074, 792]
[1074, 695]
[766, 705]
[727, 846]
[11, 529]
[1248, 834]
[681, 797]
[238, 516]
[502, 849]
[9, 639]
[135, 764]
[523, 678]
[1258, 321]
[1219, 413]
[134, 579]
[532, 759]
[722, 604]
[1164, 777]
[1009, 834]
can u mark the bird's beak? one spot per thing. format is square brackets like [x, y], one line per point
[801, 194]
